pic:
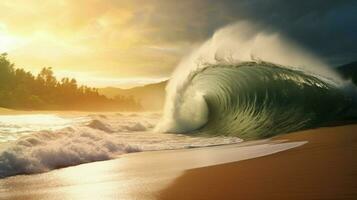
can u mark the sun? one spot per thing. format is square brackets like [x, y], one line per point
[8, 43]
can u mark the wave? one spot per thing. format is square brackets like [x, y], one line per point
[229, 86]
[46, 150]
[98, 139]
[101, 138]
[257, 99]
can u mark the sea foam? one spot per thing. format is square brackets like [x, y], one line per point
[102, 137]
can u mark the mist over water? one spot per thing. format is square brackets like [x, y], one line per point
[251, 83]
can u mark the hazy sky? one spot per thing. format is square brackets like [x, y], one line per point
[114, 42]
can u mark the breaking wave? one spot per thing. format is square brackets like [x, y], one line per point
[225, 88]
[101, 137]
[258, 99]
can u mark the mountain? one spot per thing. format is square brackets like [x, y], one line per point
[151, 96]
[349, 71]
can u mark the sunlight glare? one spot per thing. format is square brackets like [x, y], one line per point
[7, 43]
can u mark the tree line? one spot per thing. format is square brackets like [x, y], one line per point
[20, 89]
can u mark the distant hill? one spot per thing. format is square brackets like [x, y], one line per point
[349, 71]
[151, 96]
[6, 111]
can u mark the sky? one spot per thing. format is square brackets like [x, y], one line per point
[132, 42]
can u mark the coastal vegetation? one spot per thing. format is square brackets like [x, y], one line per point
[20, 89]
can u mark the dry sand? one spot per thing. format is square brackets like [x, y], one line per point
[325, 168]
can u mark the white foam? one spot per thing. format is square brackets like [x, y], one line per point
[14, 126]
[102, 138]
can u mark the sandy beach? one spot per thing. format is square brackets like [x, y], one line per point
[285, 167]
[324, 168]
[131, 176]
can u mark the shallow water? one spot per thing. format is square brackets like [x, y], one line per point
[42, 142]
[132, 176]
[12, 127]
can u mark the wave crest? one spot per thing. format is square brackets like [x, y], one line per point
[46, 150]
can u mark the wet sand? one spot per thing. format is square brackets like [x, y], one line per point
[324, 168]
[285, 167]
[131, 176]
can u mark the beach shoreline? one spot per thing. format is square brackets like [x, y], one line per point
[311, 164]
[324, 168]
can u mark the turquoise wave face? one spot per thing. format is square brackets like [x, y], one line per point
[257, 100]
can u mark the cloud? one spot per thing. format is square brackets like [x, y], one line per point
[148, 38]
[326, 27]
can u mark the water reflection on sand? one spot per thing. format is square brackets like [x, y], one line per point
[132, 176]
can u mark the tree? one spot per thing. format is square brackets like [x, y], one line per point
[6, 71]
[20, 89]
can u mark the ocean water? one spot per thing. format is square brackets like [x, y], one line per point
[240, 84]
[41, 142]
[12, 127]
[251, 83]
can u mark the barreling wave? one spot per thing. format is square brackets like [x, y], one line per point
[257, 99]
[249, 82]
